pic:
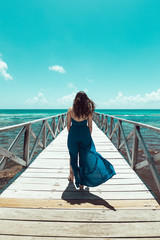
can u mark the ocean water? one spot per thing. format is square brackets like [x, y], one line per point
[14, 116]
[10, 117]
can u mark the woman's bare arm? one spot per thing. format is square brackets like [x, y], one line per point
[90, 123]
[69, 118]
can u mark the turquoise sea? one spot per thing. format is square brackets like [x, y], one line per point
[14, 116]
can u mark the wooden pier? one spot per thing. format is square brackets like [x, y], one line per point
[42, 205]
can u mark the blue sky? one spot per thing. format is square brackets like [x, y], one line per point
[51, 49]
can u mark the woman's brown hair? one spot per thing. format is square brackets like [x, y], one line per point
[82, 105]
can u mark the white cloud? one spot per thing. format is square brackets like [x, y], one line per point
[67, 100]
[3, 70]
[39, 99]
[149, 99]
[57, 68]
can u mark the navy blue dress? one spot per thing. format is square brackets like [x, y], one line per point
[92, 169]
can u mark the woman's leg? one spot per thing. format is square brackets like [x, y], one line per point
[74, 166]
[71, 174]
[81, 187]
[73, 146]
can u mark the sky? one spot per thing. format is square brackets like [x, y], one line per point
[50, 50]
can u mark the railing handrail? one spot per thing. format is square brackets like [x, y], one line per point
[7, 128]
[132, 122]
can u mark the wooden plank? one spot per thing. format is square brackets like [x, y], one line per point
[55, 187]
[59, 163]
[65, 175]
[62, 162]
[120, 167]
[69, 229]
[66, 155]
[60, 181]
[80, 204]
[76, 194]
[11, 237]
[80, 215]
[65, 149]
[66, 170]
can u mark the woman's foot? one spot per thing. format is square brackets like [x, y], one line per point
[81, 187]
[71, 176]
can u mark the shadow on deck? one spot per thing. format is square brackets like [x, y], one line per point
[83, 196]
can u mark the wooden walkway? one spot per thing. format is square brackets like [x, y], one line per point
[42, 205]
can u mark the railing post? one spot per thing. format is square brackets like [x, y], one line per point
[99, 119]
[62, 121]
[59, 124]
[44, 135]
[102, 117]
[96, 118]
[135, 147]
[106, 125]
[119, 135]
[26, 146]
[66, 120]
[53, 128]
[111, 121]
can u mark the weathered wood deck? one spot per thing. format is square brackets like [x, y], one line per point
[42, 205]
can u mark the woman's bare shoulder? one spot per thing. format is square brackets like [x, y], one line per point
[70, 112]
[70, 109]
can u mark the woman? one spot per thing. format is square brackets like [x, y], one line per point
[92, 169]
